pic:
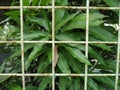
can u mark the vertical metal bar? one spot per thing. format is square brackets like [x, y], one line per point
[118, 56]
[22, 44]
[53, 44]
[87, 39]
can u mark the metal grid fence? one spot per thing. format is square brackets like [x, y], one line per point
[53, 42]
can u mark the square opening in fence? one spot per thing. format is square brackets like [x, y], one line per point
[69, 83]
[10, 83]
[104, 3]
[70, 25]
[70, 2]
[103, 58]
[38, 58]
[9, 2]
[37, 2]
[37, 24]
[101, 83]
[9, 25]
[38, 83]
[10, 58]
[103, 25]
[70, 58]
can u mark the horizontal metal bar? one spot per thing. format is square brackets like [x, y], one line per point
[75, 42]
[50, 74]
[9, 7]
[60, 7]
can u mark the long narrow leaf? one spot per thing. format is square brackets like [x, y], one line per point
[78, 55]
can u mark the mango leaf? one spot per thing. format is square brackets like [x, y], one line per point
[78, 55]
[63, 64]
[45, 81]
[102, 34]
[64, 21]
[62, 83]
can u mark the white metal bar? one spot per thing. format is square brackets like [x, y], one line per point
[56, 74]
[118, 56]
[75, 42]
[87, 39]
[60, 7]
[53, 44]
[22, 44]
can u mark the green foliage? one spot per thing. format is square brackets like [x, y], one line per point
[70, 25]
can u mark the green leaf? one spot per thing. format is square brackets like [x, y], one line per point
[35, 52]
[82, 24]
[59, 13]
[43, 65]
[92, 84]
[92, 17]
[102, 46]
[4, 78]
[30, 87]
[45, 81]
[102, 34]
[26, 2]
[62, 83]
[112, 3]
[42, 22]
[64, 21]
[77, 54]
[66, 36]
[106, 81]
[49, 55]
[34, 35]
[13, 86]
[45, 2]
[80, 21]
[61, 2]
[72, 62]
[63, 64]
[95, 54]
[75, 84]
[35, 2]
[109, 65]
